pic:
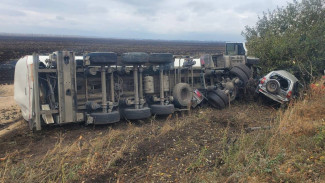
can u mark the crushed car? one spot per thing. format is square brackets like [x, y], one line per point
[280, 86]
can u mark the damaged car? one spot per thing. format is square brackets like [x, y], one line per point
[280, 86]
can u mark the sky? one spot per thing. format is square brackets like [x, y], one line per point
[204, 20]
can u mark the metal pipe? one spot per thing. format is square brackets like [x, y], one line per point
[104, 94]
[170, 85]
[161, 76]
[86, 86]
[112, 86]
[136, 88]
[175, 77]
[179, 71]
[140, 83]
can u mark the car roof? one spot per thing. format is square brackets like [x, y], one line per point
[287, 75]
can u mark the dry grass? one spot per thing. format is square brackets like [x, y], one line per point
[84, 158]
[305, 116]
[300, 138]
[293, 151]
[65, 163]
[204, 146]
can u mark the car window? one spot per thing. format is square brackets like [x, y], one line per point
[284, 83]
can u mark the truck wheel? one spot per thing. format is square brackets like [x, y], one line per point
[162, 109]
[273, 86]
[222, 95]
[240, 74]
[102, 58]
[215, 101]
[245, 69]
[135, 58]
[182, 94]
[105, 118]
[161, 58]
[134, 114]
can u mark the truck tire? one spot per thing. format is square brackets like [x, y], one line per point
[134, 114]
[161, 58]
[135, 58]
[182, 94]
[215, 101]
[240, 74]
[245, 69]
[222, 95]
[162, 109]
[273, 86]
[105, 118]
[102, 58]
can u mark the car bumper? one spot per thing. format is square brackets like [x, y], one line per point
[273, 97]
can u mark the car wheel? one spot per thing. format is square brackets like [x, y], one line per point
[273, 86]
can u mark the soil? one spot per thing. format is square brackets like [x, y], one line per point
[9, 111]
[179, 154]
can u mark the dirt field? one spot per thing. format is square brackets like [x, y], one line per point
[14, 47]
[9, 111]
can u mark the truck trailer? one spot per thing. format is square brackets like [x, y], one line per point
[103, 87]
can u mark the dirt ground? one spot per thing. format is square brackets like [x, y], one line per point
[9, 111]
[164, 149]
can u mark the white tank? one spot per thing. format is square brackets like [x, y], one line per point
[149, 85]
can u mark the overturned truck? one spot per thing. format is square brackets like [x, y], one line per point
[102, 87]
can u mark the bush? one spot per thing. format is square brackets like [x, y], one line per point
[290, 38]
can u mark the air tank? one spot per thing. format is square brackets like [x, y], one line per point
[166, 83]
[149, 85]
